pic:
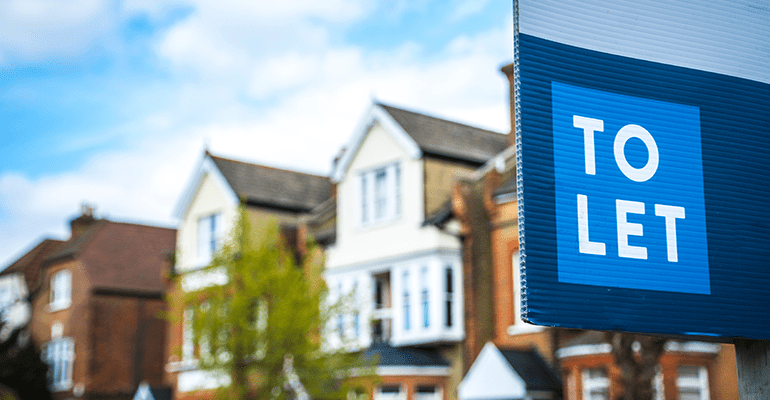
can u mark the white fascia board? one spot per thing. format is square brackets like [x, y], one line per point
[491, 366]
[378, 114]
[206, 166]
[693, 347]
[583, 350]
[402, 370]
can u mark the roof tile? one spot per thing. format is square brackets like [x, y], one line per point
[260, 184]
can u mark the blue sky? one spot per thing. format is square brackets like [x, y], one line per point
[113, 102]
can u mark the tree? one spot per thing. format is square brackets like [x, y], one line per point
[263, 327]
[637, 362]
[21, 368]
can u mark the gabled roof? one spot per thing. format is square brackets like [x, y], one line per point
[515, 374]
[533, 370]
[443, 138]
[423, 135]
[121, 257]
[258, 185]
[30, 263]
[268, 186]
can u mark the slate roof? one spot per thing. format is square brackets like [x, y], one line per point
[535, 372]
[405, 356]
[442, 138]
[120, 256]
[267, 186]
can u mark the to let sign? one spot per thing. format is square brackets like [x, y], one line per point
[644, 166]
[629, 170]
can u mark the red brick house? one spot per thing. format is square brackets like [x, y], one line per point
[97, 306]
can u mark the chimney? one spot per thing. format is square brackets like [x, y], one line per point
[508, 71]
[84, 221]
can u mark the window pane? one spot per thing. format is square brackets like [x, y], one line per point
[425, 300]
[398, 188]
[364, 199]
[449, 299]
[406, 300]
[380, 193]
[391, 389]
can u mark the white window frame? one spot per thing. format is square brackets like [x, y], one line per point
[210, 234]
[356, 322]
[380, 395]
[437, 393]
[700, 383]
[425, 298]
[59, 354]
[380, 198]
[61, 290]
[449, 291]
[407, 299]
[595, 384]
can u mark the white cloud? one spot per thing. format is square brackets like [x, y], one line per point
[33, 30]
[267, 85]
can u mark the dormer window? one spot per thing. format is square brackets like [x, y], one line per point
[61, 290]
[210, 231]
[380, 194]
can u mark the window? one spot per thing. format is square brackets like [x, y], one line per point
[188, 346]
[692, 383]
[340, 316]
[424, 294]
[449, 297]
[61, 290]
[596, 385]
[380, 194]
[406, 300]
[426, 392]
[210, 233]
[356, 316]
[379, 300]
[59, 354]
[364, 199]
[388, 392]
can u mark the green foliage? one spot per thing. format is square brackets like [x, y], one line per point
[263, 327]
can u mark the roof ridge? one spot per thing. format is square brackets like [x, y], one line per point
[439, 118]
[266, 166]
[109, 221]
[75, 245]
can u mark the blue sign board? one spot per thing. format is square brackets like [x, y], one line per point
[645, 194]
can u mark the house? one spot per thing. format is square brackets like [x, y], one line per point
[517, 374]
[405, 275]
[95, 305]
[207, 212]
[485, 207]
